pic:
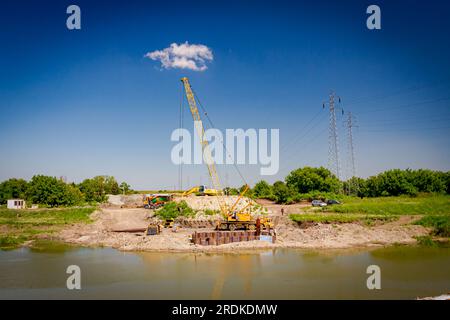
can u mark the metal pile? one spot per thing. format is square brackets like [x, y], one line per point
[216, 238]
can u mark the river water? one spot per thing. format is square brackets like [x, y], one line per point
[406, 273]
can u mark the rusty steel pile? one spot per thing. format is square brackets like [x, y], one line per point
[216, 238]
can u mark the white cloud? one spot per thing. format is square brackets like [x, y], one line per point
[183, 56]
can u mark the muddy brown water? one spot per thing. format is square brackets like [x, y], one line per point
[406, 273]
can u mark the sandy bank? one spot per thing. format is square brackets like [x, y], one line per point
[289, 234]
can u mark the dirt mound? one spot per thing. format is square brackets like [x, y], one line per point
[203, 203]
[124, 201]
[197, 223]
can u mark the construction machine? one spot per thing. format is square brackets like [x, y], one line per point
[156, 200]
[266, 224]
[235, 217]
[168, 223]
[154, 229]
[202, 191]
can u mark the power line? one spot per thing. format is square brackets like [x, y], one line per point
[308, 143]
[394, 93]
[407, 129]
[411, 118]
[298, 136]
[405, 105]
[396, 123]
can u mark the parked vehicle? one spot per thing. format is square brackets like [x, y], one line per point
[332, 201]
[318, 203]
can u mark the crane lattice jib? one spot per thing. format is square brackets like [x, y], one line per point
[206, 152]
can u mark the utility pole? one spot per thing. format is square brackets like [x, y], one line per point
[333, 150]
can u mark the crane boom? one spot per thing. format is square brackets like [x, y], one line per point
[235, 219]
[206, 151]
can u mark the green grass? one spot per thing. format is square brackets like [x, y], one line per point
[434, 209]
[45, 217]
[340, 218]
[210, 212]
[439, 223]
[18, 226]
[11, 241]
[426, 241]
[421, 205]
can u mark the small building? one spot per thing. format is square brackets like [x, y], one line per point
[16, 204]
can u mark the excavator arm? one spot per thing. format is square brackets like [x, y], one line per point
[191, 190]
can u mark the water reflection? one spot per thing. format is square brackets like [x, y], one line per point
[407, 272]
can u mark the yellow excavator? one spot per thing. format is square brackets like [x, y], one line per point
[201, 190]
[235, 218]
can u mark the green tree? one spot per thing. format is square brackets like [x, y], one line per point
[395, 182]
[282, 193]
[125, 188]
[425, 180]
[52, 192]
[111, 185]
[356, 186]
[445, 176]
[12, 189]
[94, 189]
[309, 179]
[262, 190]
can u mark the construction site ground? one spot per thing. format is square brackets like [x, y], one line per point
[116, 217]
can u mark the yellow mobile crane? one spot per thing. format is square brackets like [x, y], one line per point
[234, 219]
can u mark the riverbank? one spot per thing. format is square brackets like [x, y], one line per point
[289, 234]
[18, 227]
[356, 223]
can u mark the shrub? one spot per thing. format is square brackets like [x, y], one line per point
[173, 210]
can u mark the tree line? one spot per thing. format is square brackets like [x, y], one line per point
[320, 183]
[54, 192]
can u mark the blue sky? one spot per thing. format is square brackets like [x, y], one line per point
[87, 102]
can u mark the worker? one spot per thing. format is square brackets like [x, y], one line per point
[282, 211]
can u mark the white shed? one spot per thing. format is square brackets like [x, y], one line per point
[16, 204]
